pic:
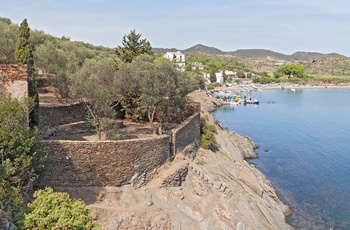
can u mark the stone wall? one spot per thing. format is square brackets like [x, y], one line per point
[14, 80]
[186, 137]
[104, 163]
[112, 163]
[59, 115]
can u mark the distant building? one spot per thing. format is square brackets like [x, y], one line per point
[197, 65]
[178, 58]
[219, 78]
[229, 72]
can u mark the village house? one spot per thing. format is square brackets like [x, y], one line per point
[197, 65]
[177, 57]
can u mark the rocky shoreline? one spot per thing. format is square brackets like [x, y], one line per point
[241, 148]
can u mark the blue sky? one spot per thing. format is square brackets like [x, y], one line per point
[285, 26]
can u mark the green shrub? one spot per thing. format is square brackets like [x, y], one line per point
[11, 201]
[208, 132]
[56, 210]
[211, 86]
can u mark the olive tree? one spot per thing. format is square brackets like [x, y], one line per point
[154, 88]
[93, 86]
[8, 39]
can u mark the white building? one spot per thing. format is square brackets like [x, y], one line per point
[219, 78]
[177, 57]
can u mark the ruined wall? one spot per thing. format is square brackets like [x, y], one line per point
[104, 163]
[14, 80]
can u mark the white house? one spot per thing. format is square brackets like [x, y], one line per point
[177, 57]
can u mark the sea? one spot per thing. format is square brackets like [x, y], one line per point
[304, 149]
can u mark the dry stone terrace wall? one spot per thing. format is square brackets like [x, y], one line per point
[59, 115]
[187, 135]
[111, 163]
[104, 163]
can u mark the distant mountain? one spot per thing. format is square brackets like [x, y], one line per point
[164, 50]
[252, 53]
[199, 48]
[312, 56]
[194, 49]
[259, 53]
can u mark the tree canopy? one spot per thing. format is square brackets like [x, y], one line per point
[21, 155]
[290, 70]
[24, 53]
[148, 87]
[133, 46]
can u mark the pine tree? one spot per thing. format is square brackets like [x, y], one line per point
[133, 46]
[24, 55]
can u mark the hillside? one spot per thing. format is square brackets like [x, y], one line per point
[252, 53]
[261, 60]
[204, 49]
[337, 66]
[311, 56]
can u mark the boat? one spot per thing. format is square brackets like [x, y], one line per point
[251, 102]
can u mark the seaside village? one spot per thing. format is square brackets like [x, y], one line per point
[228, 95]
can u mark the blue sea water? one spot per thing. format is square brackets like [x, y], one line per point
[304, 150]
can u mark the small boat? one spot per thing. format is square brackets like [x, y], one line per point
[252, 102]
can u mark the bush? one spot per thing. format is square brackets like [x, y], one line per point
[211, 86]
[56, 210]
[11, 201]
[22, 155]
[208, 132]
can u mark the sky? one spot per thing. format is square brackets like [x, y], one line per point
[284, 26]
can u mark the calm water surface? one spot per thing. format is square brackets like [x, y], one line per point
[307, 135]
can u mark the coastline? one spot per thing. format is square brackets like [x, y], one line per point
[242, 148]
